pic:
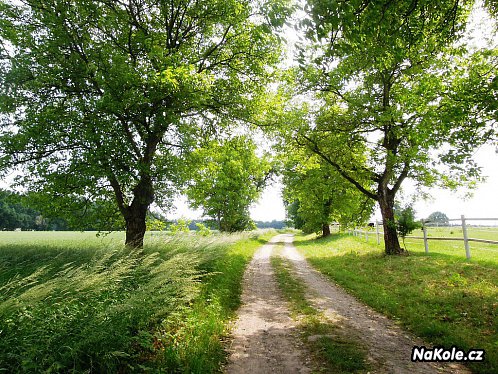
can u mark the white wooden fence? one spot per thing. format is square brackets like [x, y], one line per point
[465, 239]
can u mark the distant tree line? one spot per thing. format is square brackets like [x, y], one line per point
[33, 212]
[274, 224]
[15, 213]
[212, 224]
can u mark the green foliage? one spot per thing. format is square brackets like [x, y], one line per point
[438, 218]
[226, 178]
[84, 304]
[100, 101]
[405, 221]
[202, 229]
[317, 195]
[492, 7]
[154, 224]
[293, 215]
[399, 95]
[78, 213]
[181, 225]
[14, 214]
[273, 224]
[33, 211]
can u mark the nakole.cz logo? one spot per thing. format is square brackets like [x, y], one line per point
[439, 354]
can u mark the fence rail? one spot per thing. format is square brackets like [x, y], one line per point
[426, 238]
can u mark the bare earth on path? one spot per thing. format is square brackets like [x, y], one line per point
[389, 347]
[265, 339]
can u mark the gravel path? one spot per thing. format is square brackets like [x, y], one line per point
[389, 347]
[265, 338]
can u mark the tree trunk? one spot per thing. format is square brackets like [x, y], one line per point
[325, 230]
[135, 228]
[143, 196]
[326, 213]
[391, 242]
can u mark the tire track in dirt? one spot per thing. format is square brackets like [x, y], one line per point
[389, 347]
[265, 338]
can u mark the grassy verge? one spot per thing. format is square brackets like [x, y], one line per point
[331, 350]
[193, 340]
[441, 297]
[481, 252]
[84, 304]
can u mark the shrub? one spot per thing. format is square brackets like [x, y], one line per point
[203, 230]
[405, 222]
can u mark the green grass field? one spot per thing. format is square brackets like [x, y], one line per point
[74, 302]
[441, 297]
[479, 251]
[481, 232]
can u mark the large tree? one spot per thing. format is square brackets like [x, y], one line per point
[320, 194]
[394, 83]
[98, 99]
[227, 179]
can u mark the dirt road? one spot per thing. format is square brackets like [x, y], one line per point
[265, 338]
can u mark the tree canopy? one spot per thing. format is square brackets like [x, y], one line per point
[227, 177]
[100, 100]
[438, 218]
[317, 194]
[16, 215]
[399, 96]
[405, 221]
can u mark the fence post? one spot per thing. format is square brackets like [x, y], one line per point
[378, 233]
[465, 238]
[426, 242]
[366, 235]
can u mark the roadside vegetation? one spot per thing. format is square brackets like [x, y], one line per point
[441, 297]
[331, 350]
[76, 302]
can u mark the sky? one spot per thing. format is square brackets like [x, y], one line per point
[483, 202]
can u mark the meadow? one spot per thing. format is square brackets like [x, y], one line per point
[442, 297]
[479, 251]
[77, 302]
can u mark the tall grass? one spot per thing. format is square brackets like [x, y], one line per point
[85, 304]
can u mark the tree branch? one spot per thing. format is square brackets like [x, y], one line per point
[342, 172]
[118, 194]
[401, 177]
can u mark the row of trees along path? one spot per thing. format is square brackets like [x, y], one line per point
[101, 101]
